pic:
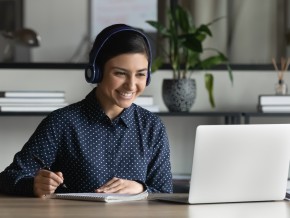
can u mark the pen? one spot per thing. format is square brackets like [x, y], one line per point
[38, 160]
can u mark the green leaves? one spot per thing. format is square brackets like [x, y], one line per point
[191, 41]
[214, 60]
[162, 30]
[156, 64]
[208, 78]
[204, 29]
[184, 46]
[181, 16]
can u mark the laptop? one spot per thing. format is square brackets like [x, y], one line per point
[239, 163]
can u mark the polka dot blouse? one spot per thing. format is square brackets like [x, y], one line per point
[89, 149]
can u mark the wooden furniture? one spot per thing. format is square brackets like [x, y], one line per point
[12, 207]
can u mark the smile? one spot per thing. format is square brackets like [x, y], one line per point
[126, 94]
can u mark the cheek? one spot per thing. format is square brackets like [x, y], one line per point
[142, 85]
[110, 81]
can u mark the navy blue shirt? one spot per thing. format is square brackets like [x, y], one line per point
[89, 149]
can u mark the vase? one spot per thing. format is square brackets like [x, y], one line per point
[281, 88]
[178, 95]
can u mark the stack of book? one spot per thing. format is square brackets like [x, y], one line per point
[274, 103]
[31, 101]
[146, 101]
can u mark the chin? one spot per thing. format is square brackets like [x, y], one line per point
[125, 105]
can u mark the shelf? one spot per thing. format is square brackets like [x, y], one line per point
[23, 113]
[209, 113]
[72, 66]
[163, 113]
[69, 65]
[247, 115]
[230, 117]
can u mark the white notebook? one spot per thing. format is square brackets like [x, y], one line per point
[105, 197]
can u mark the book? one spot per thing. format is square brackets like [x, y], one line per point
[144, 100]
[24, 104]
[274, 108]
[31, 108]
[274, 100]
[31, 100]
[32, 94]
[104, 197]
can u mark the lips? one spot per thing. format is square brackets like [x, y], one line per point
[126, 94]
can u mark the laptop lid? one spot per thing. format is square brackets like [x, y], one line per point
[237, 163]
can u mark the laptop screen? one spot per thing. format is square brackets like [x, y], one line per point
[235, 163]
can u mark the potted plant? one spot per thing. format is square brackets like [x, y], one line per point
[184, 42]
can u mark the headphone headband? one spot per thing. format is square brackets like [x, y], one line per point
[93, 73]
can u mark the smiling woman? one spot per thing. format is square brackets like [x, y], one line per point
[110, 143]
[117, 68]
[123, 80]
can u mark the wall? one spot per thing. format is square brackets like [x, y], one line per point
[63, 27]
[248, 31]
[251, 36]
[242, 96]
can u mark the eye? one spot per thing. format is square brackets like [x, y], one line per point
[120, 73]
[142, 73]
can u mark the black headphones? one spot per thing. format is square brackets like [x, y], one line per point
[93, 73]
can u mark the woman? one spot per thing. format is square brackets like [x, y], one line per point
[104, 143]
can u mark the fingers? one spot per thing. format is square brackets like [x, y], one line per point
[59, 175]
[112, 183]
[113, 186]
[46, 182]
[122, 186]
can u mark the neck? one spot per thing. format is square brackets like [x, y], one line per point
[112, 111]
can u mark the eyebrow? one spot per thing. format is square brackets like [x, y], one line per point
[123, 69]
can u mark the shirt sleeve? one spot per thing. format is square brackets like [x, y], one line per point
[18, 177]
[159, 176]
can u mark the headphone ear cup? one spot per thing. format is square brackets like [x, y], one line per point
[90, 74]
[97, 75]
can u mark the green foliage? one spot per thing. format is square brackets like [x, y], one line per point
[184, 42]
[208, 78]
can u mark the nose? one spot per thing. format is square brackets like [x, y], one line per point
[131, 82]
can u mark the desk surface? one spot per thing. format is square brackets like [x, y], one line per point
[37, 207]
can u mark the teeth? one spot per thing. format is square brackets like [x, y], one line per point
[126, 94]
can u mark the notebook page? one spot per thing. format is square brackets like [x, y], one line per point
[106, 197]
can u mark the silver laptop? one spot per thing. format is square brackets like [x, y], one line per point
[239, 163]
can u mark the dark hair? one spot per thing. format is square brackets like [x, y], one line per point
[128, 41]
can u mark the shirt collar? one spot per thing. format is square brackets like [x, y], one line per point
[95, 111]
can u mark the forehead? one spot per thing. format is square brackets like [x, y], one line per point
[129, 60]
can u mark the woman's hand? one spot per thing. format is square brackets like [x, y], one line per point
[46, 182]
[121, 186]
